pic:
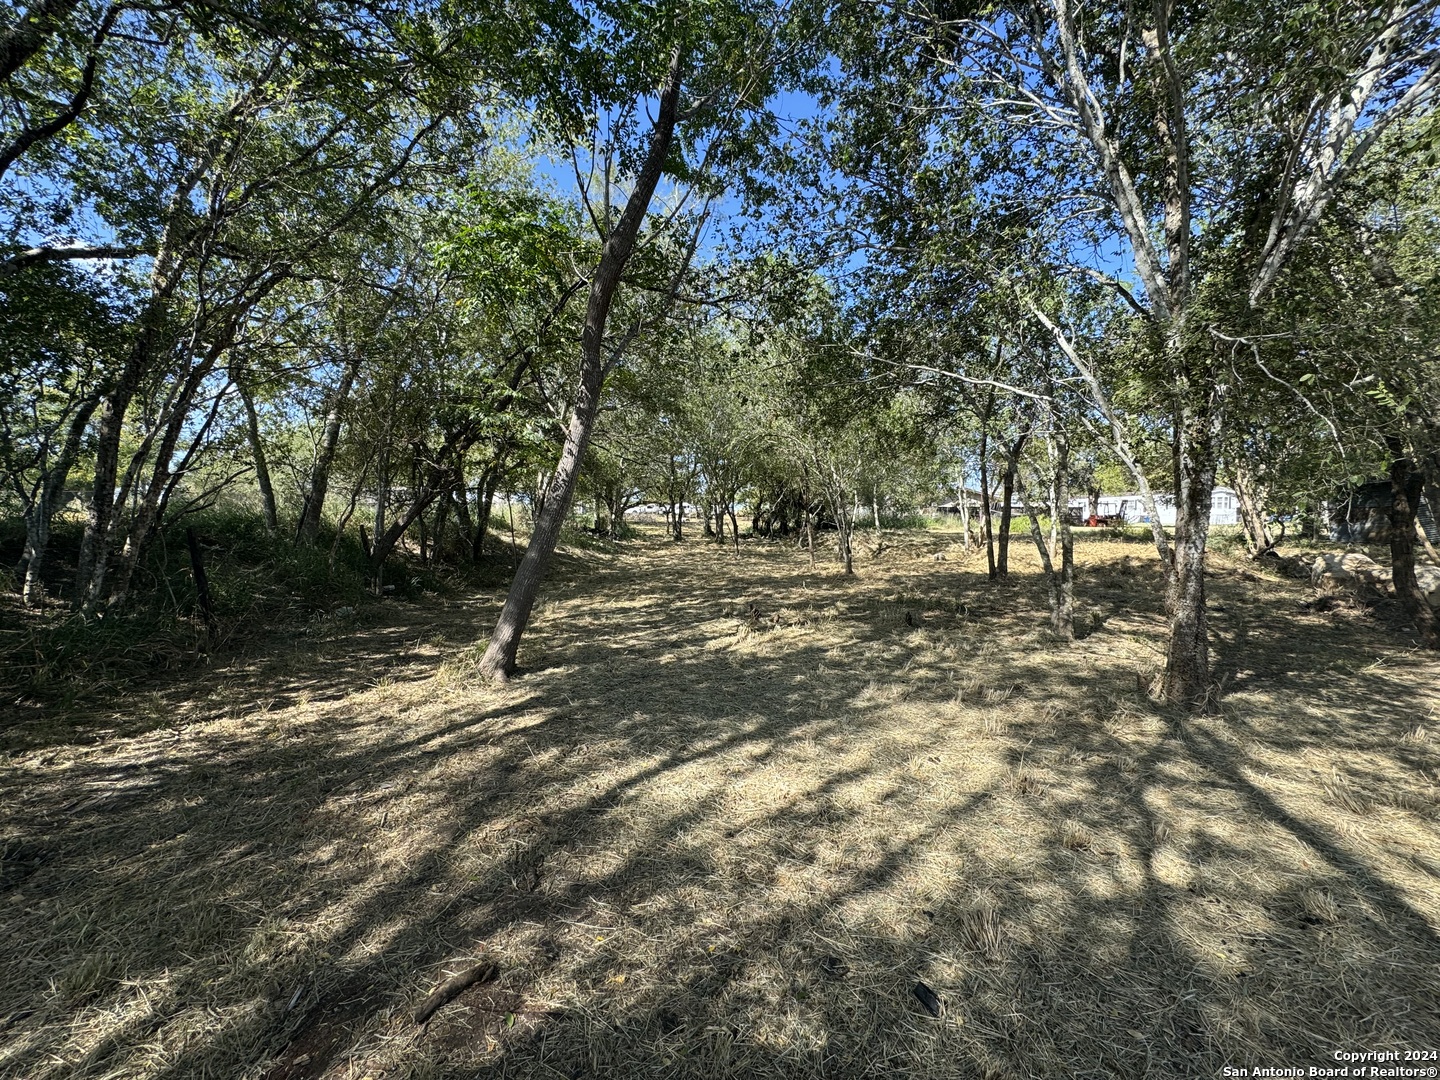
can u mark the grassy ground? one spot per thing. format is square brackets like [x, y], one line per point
[698, 843]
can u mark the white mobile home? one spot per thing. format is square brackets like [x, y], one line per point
[1224, 509]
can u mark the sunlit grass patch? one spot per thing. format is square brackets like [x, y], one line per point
[697, 847]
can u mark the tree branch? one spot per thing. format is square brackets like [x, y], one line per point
[72, 253]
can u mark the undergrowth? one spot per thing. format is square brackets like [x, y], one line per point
[260, 585]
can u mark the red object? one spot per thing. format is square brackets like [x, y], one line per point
[1093, 521]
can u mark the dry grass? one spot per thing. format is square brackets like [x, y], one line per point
[697, 843]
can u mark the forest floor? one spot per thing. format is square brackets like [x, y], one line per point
[696, 843]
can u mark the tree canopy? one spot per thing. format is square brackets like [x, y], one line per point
[804, 265]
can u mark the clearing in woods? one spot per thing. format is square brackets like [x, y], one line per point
[697, 842]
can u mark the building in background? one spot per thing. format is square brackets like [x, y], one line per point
[1363, 515]
[1130, 509]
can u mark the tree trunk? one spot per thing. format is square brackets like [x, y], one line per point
[1012, 459]
[1060, 582]
[442, 514]
[1405, 488]
[1063, 613]
[489, 484]
[146, 517]
[325, 455]
[1187, 656]
[987, 537]
[95, 544]
[1252, 514]
[464, 520]
[37, 541]
[843, 510]
[1425, 542]
[500, 656]
[386, 541]
[345, 517]
[41, 513]
[262, 467]
[382, 499]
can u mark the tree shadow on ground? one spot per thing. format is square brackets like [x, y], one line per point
[695, 840]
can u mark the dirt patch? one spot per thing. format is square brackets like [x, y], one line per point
[698, 842]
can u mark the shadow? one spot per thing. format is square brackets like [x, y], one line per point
[700, 841]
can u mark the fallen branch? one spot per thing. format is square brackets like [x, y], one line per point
[453, 987]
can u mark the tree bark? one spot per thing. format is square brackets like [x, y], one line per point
[964, 505]
[489, 484]
[325, 456]
[22, 40]
[1063, 606]
[1405, 488]
[41, 513]
[1252, 514]
[1012, 459]
[985, 529]
[146, 517]
[464, 521]
[1187, 655]
[500, 656]
[1425, 541]
[262, 466]
[94, 545]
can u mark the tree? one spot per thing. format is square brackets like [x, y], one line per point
[1206, 142]
[57, 344]
[1351, 342]
[725, 55]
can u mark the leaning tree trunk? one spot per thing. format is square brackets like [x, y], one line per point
[325, 457]
[1405, 488]
[41, 513]
[499, 659]
[37, 542]
[95, 544]
[262, 466]
[1252, 515]
[148, 512]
